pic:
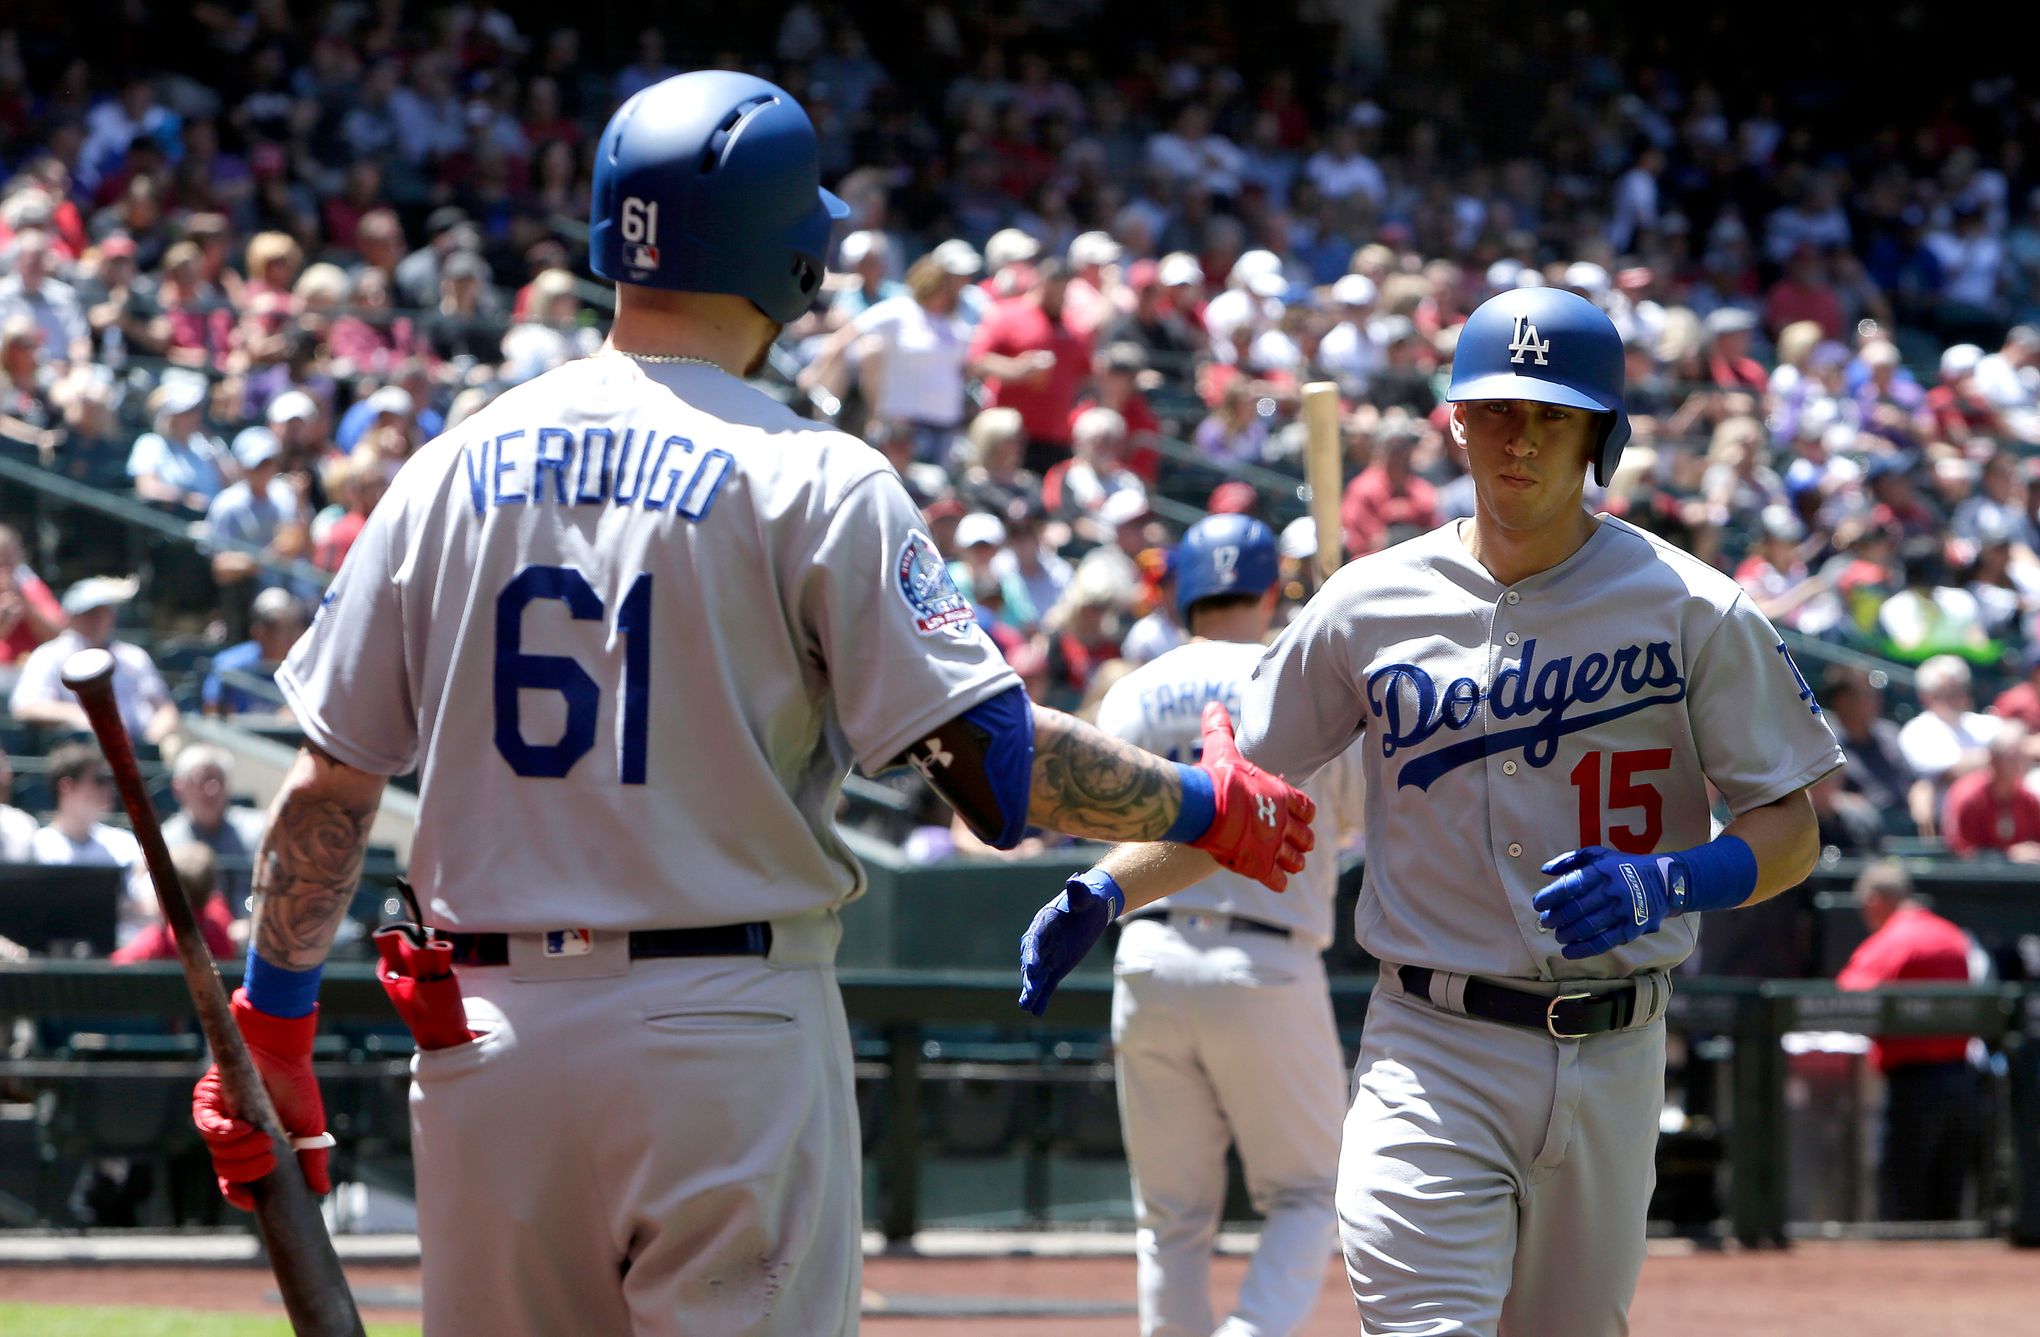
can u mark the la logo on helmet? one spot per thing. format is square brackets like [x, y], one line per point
[1525, 341]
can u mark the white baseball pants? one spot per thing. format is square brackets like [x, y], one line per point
[667, 1149]
[1494, 1181]
[1223, 1036]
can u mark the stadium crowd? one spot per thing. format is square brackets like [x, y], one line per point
[243, 278]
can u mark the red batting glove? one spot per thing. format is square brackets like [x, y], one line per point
[1262, 826]
[241, 1151]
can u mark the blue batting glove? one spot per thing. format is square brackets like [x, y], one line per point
[1062, 932]
[1602, 899]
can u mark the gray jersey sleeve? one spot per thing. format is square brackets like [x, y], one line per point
[346, 679]
[1759, 731]
[899, 643]
[1303, 706]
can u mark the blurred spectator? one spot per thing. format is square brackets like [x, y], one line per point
[1084, 631]
[1039, 570]
[1947, 738]
[201, 779]
[910, 352]
[2010, 380]
[979, 539]
[29, 613]
[1930, 1107]
[1155, 325]
[27, 414]
[1848, 825]
[82, 788]
[1778, 581]
[991, 478]
[1991, 809]
[275, 620]
[1236, 431]
[1387, 502]
[31, 289]
[1729, 364]
[1085, 486]
[1874, 761]
[867, 258]
[1932, 616]
[40, 696]
[261, 511]
[179, 463]
[1031, 359]
[358, 483]
[1116, 373]
[198, 880]
[17, 828]
[2021, 700]
[1157, 631]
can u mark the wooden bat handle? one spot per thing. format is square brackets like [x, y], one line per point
[315, 1293]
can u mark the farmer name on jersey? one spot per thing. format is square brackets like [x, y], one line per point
[596, 466]
[1410, 708]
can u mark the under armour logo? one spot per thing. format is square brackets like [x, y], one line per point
[1265, 805]
[926, 762]
[1525, 341]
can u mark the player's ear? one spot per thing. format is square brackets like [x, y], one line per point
[1457, 419]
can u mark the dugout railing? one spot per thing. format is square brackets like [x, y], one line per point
[899, 1011]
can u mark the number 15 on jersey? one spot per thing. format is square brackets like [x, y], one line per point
[518, 670]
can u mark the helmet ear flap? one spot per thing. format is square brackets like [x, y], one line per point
[1612, 436]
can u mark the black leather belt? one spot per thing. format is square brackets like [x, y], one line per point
[755, 939]
[1239, 922]
[1566, 1016]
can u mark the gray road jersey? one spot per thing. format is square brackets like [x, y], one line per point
[1589, 704]
[1160, 706]
[633, 625]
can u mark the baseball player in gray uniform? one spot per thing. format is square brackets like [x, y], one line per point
[632, 622]
[1222, 1026]
[1544, 697]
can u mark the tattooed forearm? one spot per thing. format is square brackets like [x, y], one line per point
[310, 859]
[1088, 783]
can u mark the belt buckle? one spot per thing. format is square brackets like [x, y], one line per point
[1551, 1016]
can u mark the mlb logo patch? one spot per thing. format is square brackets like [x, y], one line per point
[569, 942]
[638, 255]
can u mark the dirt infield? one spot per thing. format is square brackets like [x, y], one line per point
[1862, 1290]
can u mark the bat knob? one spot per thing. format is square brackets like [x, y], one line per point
[88, 668]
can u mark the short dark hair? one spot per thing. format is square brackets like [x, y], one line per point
[74, 762]
[1218, 603]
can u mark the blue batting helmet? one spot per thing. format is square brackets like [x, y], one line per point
[707, 182]
[1549, 346]
[1224, 554]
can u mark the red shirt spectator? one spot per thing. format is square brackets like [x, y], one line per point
[1985, 810]
[1386, 503]
[2021, 701]
[157, 943]
[1033, 362]
[1910, 944]
[29, 613]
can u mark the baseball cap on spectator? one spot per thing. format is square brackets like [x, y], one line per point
[181, 393]
[1254, 262]
[1179, 270]
[1387, 330]
[1959, 361]
[1298, 539]
[1125, 356]
[117, 245]
[1094, 248]
[1729, 320]
[1268, 284]
[1233, 498]
[464, 265]
[2024, 338]
[1588, 278]
[1780, 523]
[444, 219]
[979, 527]
[944, 508]
[1124, 507]
[97, 592]
[1528, 277]
[1142, 275]
[1828, 355]
[1010, 246]
[859, 245]
[391, 399]
[291, 406]
[1366, 115]
[274, 603]
[1879, 353]
[256, 446]
[1354, 290]
[1503, 273]
[957, 256]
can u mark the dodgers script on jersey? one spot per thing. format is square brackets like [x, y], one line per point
[639, 615]
[1587, 705]
[1159, 706]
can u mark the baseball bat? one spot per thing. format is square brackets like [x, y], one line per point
[315, 1293]
[1323, 469]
